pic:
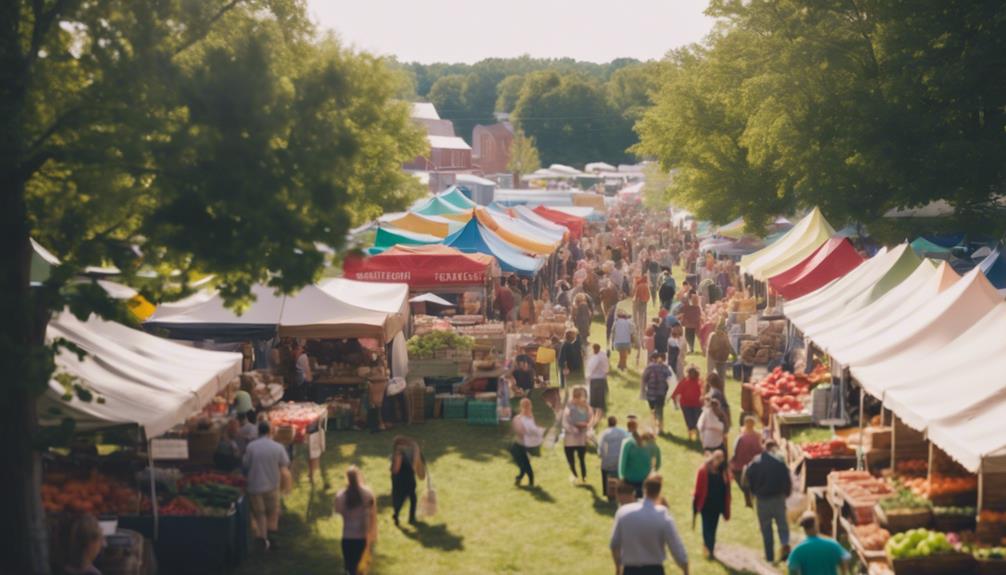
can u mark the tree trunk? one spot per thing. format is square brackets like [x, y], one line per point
[24, 364]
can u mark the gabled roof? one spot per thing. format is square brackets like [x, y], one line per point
[447, 143]
[424, 111]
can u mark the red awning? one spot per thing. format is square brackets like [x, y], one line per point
[423, 267]
[574, 223]
[835, 258]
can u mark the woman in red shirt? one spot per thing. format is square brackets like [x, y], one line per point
[688, 397]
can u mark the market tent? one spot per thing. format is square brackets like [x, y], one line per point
[423, 267]
[587, 213]
[930, 328]
[140, 379]
[733, 230]
[530, 216]
[387, 237]
[924, 247]
[548, 234]
[431, 298]
[799, 242]
[856, 297]
[919, 288]
[994, 268]
[454, 196]
[573, 223]
[437, 206]
[204, 316]
[946, 240]
[475, 238]
[745, 245]
[517, 233]
[864, 274]
[835, 258]
[413, 222]
[339, 308]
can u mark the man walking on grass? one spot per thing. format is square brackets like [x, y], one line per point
[643, 532]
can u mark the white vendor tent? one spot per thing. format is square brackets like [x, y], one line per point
[337, 308]
[898, 265]
[927, 330]
[922, 286]
[136, 378]
[799, 242]
[967, 421]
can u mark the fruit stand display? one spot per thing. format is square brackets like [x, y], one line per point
[819, 458]
[440, 353]
[857, 493]
[767, 347]
[904, 510]
[928, 552]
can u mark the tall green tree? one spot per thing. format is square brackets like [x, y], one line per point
[508, 92]
[218, 136]
[569, 118]
[523, 156]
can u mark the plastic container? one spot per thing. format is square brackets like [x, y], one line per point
[482, 413]
[455, 407]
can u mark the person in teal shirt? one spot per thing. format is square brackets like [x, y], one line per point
[640, 456]
[817, 555]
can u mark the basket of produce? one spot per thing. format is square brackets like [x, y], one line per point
[869, 540]
[426, 346]
[904, 511]
[991, 528]
[925, 552]
[990, 560]
[822, 457]
[954, 519]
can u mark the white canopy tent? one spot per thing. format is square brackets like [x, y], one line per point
[804, 311]
[967, 421]
[139, 378]
[928, 330]
[921, 287]
[899, 264]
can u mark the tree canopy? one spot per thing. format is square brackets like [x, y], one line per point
[856, 107]
[215, 137]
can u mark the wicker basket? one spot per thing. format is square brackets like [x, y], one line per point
[897, 521]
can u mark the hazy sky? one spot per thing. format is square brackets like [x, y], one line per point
[468, 31]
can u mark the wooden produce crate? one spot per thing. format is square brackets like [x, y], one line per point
[900, 521]
[865, 555]
[816, 470]
[990, 567]
[877, 438]
[943, 564]
[432, 368]
[953, 523]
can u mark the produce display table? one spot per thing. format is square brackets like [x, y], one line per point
[215, 544]
[816, 469]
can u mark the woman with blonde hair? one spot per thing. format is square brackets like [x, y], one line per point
[358, 507]
[576, 420]
[526, 436]
[85, 543]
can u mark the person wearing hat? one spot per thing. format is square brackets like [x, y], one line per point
[570, 358]
[622, 333]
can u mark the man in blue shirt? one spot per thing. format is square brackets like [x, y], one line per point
[817, 555]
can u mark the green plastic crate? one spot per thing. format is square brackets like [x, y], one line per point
[482, 413]
[454, 407]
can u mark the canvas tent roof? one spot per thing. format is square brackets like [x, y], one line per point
[517, 233]
[528, 228]
[864, 274]
[387, 237]
[142, 379]
[734, 229]
[437, 206]
[994, 268]
[315, 311]
[573, 223]
[924, 284]
[898, 265]
[835, 258]
[584, 212]
[527, 214]
[454, 196]
[967, 423]
[802, 239]
[423, 267]
[930, 328]
[924, 247]
[413, 222]
[476, 238]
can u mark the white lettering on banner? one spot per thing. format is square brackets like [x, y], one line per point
[169, 449]
[388, 276]
[451, 277]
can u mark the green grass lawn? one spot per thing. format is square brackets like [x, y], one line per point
[485, 524]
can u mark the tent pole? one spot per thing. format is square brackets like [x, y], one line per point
[153, 489]
[981, 488]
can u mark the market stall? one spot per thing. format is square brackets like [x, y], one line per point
[573, 223]
[422, 224]
[387, 237]
[138, 381]
[833, 259]
[476, 238]
[795, 245]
